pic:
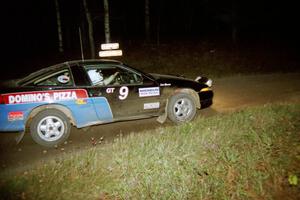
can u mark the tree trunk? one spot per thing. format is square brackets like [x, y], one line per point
[147, 21]
[106, 21]
[59, 30]
[234, 26]
[189, 22]
[160, 7]
[90, 28]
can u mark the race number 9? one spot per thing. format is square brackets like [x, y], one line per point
[123, 92]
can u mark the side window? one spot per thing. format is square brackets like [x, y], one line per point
[129, 77]
[100, 76]
[58, 78]
[96, 76]
[111, 75]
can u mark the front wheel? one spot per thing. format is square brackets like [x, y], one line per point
[50, 127]
[181, 108]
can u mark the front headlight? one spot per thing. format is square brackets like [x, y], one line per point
[209, 82]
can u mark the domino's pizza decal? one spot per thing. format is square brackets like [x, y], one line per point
[44, 96]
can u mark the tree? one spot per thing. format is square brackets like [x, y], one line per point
[106, 21]
[158, 21]
[59, 29]
[147, 21]
[234, 24]
[225, 16]
[90, 29]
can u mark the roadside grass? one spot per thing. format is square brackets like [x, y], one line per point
[249, 154]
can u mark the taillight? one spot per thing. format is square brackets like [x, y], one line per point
[1, 99]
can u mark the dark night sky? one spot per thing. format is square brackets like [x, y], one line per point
[30, 34]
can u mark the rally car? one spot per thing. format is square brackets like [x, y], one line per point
[90, 92]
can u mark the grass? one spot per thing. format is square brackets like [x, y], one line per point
[249, 154]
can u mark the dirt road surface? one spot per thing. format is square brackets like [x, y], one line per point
[231, 93]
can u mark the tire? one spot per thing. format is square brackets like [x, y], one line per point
[181, 108]
[50, 128]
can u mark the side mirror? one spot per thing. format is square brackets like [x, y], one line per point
[147, 81]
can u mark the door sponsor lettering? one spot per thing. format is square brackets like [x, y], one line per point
[165, 84]
[148, 106]
[149, 92]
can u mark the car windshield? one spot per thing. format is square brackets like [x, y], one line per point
[139, 71]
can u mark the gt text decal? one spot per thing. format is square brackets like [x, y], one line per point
[149, 92]
[44, 96]
[110, 90]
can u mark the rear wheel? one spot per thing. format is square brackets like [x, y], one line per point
[50, 127]
[181, 108]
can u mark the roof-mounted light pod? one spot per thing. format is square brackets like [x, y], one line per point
[110, 49]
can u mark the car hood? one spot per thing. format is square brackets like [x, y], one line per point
[180, 81]
[168, 76]
[162, 77]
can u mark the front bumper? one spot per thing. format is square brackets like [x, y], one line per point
[206, 98]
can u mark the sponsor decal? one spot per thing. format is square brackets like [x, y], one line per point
[15, 115]
[63, 79]
[149, 92]
[44, 96]
[148, 106]
[80, 101]
[165, 84]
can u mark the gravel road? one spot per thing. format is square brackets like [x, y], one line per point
[231, 94]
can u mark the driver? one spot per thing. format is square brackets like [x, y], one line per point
[110, 79]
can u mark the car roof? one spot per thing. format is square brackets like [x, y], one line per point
[65, 64]
[106, 61]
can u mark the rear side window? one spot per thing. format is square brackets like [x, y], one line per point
[58, 78]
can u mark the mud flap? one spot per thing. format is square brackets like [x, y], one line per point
[163, 117]
[20, 137]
